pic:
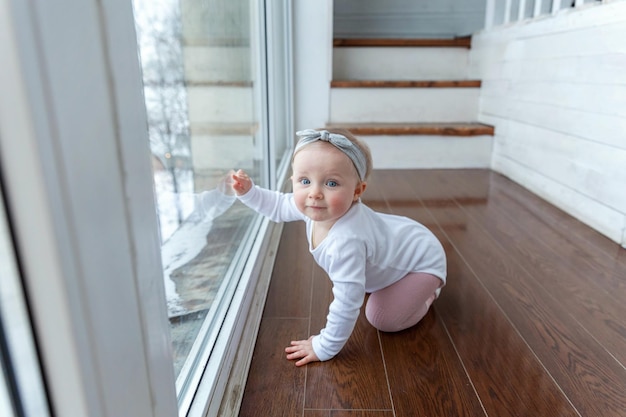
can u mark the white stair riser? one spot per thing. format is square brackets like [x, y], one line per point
[422, 152]
[214, 104]
[217, 63]
[222, 152]
[403, 105]
[400, 63]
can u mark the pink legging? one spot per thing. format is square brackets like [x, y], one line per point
[402, 304]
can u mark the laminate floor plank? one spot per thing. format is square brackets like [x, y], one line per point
[275, 387]
[570, 280]
[373, 196]
[426, 376]
[508, 377]
[558, 265]
[593, 245]
[580, 365]
[289, 294]
[564, 247]
[583, 368]
[317, 413]
[354, 379]
[399, 191]
[321, 297]
[348, 413]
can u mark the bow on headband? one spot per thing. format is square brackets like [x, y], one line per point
[340, 142]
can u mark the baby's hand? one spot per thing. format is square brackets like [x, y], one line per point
[241, 182]
[303, 350]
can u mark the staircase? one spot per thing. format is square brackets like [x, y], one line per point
[411, 101]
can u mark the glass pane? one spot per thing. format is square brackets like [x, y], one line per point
[499, 11]
[21, 384]
[546, 7]
[514, 11]
[200, 100]
[6, 407]
[528, 10]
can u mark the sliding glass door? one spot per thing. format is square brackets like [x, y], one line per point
[209, 74]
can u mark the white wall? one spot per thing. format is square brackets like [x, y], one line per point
[408, 18]
[555, 89]
[313, 39]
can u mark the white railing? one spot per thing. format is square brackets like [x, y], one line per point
[502, 12]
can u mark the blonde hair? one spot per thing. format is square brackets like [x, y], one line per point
[365, 150]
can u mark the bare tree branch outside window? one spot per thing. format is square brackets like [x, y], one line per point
[159, 34]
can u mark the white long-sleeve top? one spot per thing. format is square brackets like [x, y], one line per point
[364, 251]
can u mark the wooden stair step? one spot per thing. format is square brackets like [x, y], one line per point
[224, 129]
[405, 83]
[464, 42]
[219, 83]
[406, 129]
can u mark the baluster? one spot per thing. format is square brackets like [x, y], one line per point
[490, 13]
[507, 11]
[537, 9]
[521, 10]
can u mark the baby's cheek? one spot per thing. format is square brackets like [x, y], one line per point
[340, 201]
[299, 200]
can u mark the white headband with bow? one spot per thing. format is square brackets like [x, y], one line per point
[340, 142]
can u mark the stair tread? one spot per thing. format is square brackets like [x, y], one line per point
[405, 83]
[224, 129]
[464, 42]
[397, 129]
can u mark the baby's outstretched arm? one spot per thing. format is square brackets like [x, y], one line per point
[241, 182]
[303, 350]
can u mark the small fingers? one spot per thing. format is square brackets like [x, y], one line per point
[241, 182]
[241, 174]
[303, 350]
[304, 361]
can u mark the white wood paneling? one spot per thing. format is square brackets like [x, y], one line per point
[368, 63]
[403, 105]
[579, 164]
[594, 127]
[570, 69]
[555, 89]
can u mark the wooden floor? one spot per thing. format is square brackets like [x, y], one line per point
[531, 323]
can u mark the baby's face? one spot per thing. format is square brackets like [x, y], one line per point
[325, 182]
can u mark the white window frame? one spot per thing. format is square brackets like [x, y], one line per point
[75, 158]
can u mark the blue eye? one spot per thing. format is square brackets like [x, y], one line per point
[305, 181]
[332, 183]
